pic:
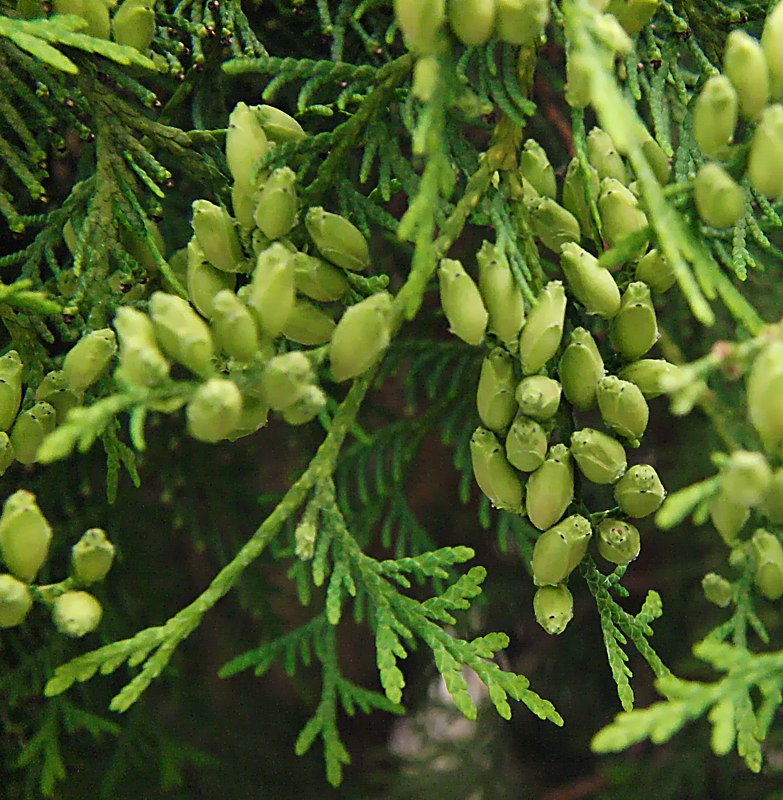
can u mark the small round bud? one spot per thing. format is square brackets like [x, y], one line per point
[553, 607]
[317, 279]
[603, 155]
[550, 489]
[574, 194]
[620, 212]
[494, 475]
[600, 458]
[276, 209]
[182, 334]
[618, 541]
[87, 360]
[15, 601]
[526, 444]
[500, 293]
[338, 240]
[558, 551]
[91, 557]
[649, 374]
[361, 337]
[521, 22]
[10, 388]
[272, 294]
[233, 327]
[717, 589]
[461, 302]
[204, 281]
[217, 236]
[495, 394]
[746, 478]
[623, 407]
[29, 430]
[420, 22]
[285, 379]
[141, 361]
[640, 491]
[580, 369]
[214, 410]
[654, 270]
[715, 116]
[635, 328]
[719, 199]
[553, 224]
[534, 166]
[25, 535]
[543, 331]
[246, 144]
[592, 285]
[768, 571]
[745, 66]
[279, 126]
[472, 21]
[538, 397]
[307, 407]
[308, 324]
[728, 517]
[76, 613]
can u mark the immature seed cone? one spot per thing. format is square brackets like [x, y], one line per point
[715, 116]
[133, 24]
[649, 374]
[618, 541]
[640, 491]
[94, 12]
[29, 430]
[654, 270]
[495, 393]
[543, 331]
[277, 205]
[183, 335]
[214, 410]
[361, 336]
[279, 126]
[25, 535]
[285, 379]
[500, 293]
[338, 240]
[728, 517]
[764, 392]
[553, 224]
[580, 369]
[600, 458]
[494, 475]
[592, 285]
[317, 279]
[535, 167]
[719, 199]
[657, 159]
[88, 359]
[766, 153]
[307, 407]
[526, 444]
[255, 414]
[604, 157]
[635, 328]
[550, 489]
[772, 505]
[420, 22]
[308, 324]
[272, 291]
[91, 557]
[553, 607]
[521, 22]
[578, 86]
[15, 601]
[76, 613]
[461, 302]
[620, 212]
[217, 236]
[574, 194]
[633, 15]
[623, 407]
[538, 397]
[246, 144]
[203, 281]
[10, 388]
[141, 361]
[559, 550]
[746, 478]
[717, 589]
[426, 74]
[472, 21]
[768, 572]
[771, 38]
[745, 66]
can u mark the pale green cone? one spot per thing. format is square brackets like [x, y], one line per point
[526, 444]
[203, 281]
[633, 15]
[15, 601]
[462, 302]
[640, 491]
[764, 394]
[361, 337]
[618, 541]
[182, 333]
[538, 397]
[715, 116]
[55, 390]
[745, 478]
[603, 155]
[91, 557]
[550, 489]
[717, 589]
[76, 613]
[94, 12]
[285, 379]
[766, 153]
[654, 270]
[308, 324]
[89, 358]
[580, 369]
[534, 166]
[244, 198]
[772, 504]
[307, 407]
[657, 159]
[420, 22]
[494, 475]
[500, 293]
[635, 328]
[426, 74]
[623, 407]
[578, 86]
[272, 290]
[521, 22]
[600, 458]
[495, 393]
[7, 453]
[553, 607]
[217, 236]
[558, 551]
[553, 224]
[276, 208]
[233, 327]
[768, 570]
[255, 413]
[246, 145]
[214, 411]
[771, 38]
[543, 331]
[10, 388]
[29, 430]
[591, 284]
[620, 212]
[133, 24]
[719, 199]
[337, 239]
[279, 126]
[25, 535]
[745, 66]
[472, 21]
[141, 361]
[649, 375]
[574, 196]
[318, 279]
[728, 517]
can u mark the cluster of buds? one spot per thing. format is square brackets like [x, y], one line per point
[25, 537]
[23, 431]
[131, 24]
[749, 88]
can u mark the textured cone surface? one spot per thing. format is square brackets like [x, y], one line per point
[285, 379]
[307, 407]
[592, 285]
[494, 475]
[534, 166]
[657, 159]
[772, 505]
[10, 388]
[233, 327]
[559, 550]
[495, 393]
[461, 302]
[29, 430]
[15, 601]
[87, 360]
[553, 607]
[500, 293]
[553, 224]
[25, 535]
[715, 115]
[361, 337]
[526, 444]
[276, 210]
[246, 144]
[213, 411]
[217, 236]
[618, 541]
[640, 491]
[717, 589]
[91, 557]
[600, 458]
[308, 324]
[550, 489]
[538, 397]
[620, 212]
[7, 453]
[76, 613]
[649, 374]
[182, 334]
[603, 155]
[654, 270]
[338, 240]
[635, 328]
[580, 369]
[623, 407]
[574, 195]
[55, 390]
[543, 331]
[272, 291]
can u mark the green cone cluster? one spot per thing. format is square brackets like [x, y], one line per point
[132, 24]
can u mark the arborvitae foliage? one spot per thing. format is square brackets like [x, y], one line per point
[356, 235]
